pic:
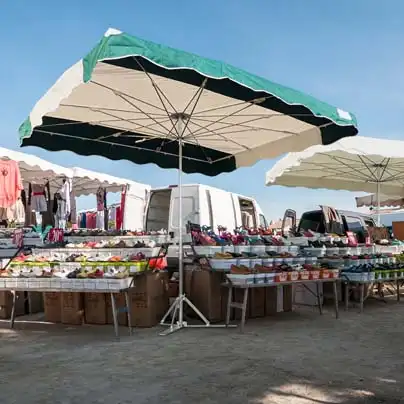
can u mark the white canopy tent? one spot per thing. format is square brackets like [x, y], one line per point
[36, 170]
[352, 164]
[87, 182]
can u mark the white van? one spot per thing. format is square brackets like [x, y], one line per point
[202, 205]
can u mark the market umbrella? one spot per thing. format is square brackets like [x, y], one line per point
[384, 201]
[136, 100]
[353, 164]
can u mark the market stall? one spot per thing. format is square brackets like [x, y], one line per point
[184, 112]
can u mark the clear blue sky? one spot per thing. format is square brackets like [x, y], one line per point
[349, 53]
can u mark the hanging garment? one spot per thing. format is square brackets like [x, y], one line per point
[10, 183]
[83, 221]
[38, 200]
[100, 224]
[100, 199]
[118, 218]
[73, 214]
[112, 218]
[16, 212]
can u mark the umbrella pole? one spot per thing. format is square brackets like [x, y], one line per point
[178, 306]
[378, 203]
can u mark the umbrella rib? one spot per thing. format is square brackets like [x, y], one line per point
[341, 161]
[242, 124]
[326, 167]
[368, 168]
[213, 133]
[108, 109]
[338, 170]
[118, 145]
[224, 117]
[385, 168]
[116, 92]
[129, 121]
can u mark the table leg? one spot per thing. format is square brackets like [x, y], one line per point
[12, 318]
[114, 314]
[346, 296]
[334, 285]
[228, 310]
[320, 305]
[362, 297]
[128, 311]
[244, 309]
[398, 289]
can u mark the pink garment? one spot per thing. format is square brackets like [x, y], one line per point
[10, 183]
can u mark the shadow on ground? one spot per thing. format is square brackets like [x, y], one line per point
[294, 358]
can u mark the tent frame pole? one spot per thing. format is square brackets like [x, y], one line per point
[177, 308]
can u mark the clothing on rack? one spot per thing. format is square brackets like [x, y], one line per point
[16, 212]
[37, 199]
[100, 195]
[100, 223]
[73, 214]
[10, 183]
[118, 218]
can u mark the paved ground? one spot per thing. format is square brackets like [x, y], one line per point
[295, 358]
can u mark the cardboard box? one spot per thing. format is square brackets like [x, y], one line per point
[148, 313]
[35, 302]
[6, 304]
[204, 290]
[150, 284]
[271, 301]
[120, 302]
[72, 308]
[257, 302]
[287, 298]
[53, 306]
[95, 308]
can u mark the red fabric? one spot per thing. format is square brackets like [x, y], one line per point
[10, 183]
[123, 200]
[118, 218]
[91, 220]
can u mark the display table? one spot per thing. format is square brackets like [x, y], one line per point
[110, 286]
[245, 287]
[361, 284]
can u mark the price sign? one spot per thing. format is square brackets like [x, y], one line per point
[56, 235]
[18, 237]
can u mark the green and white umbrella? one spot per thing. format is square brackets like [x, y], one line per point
[136, 100]
[122, 101]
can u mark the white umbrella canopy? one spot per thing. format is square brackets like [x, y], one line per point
[352, 164]
[385, 201]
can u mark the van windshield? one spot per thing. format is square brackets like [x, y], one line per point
[312, 221]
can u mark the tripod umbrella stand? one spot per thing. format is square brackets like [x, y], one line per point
[136, 100]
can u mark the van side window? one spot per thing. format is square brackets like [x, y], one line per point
[355, 225]
[312, 221]
[263, 221]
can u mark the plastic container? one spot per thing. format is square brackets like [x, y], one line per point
[244, 261]
[270, 277]
[288, 261]
[278, 261]
[315, 252]
[258, 249]
[303, 260]
[267, 262]
[241, 279]
[332, 251]
[271, 249]
[222, 264]
[293, 250]
[208, 251]
[260, 278]
[239, 249]
[283, 249]
[309, 260]
[228, 248]
[255, 261]
[345, 251]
